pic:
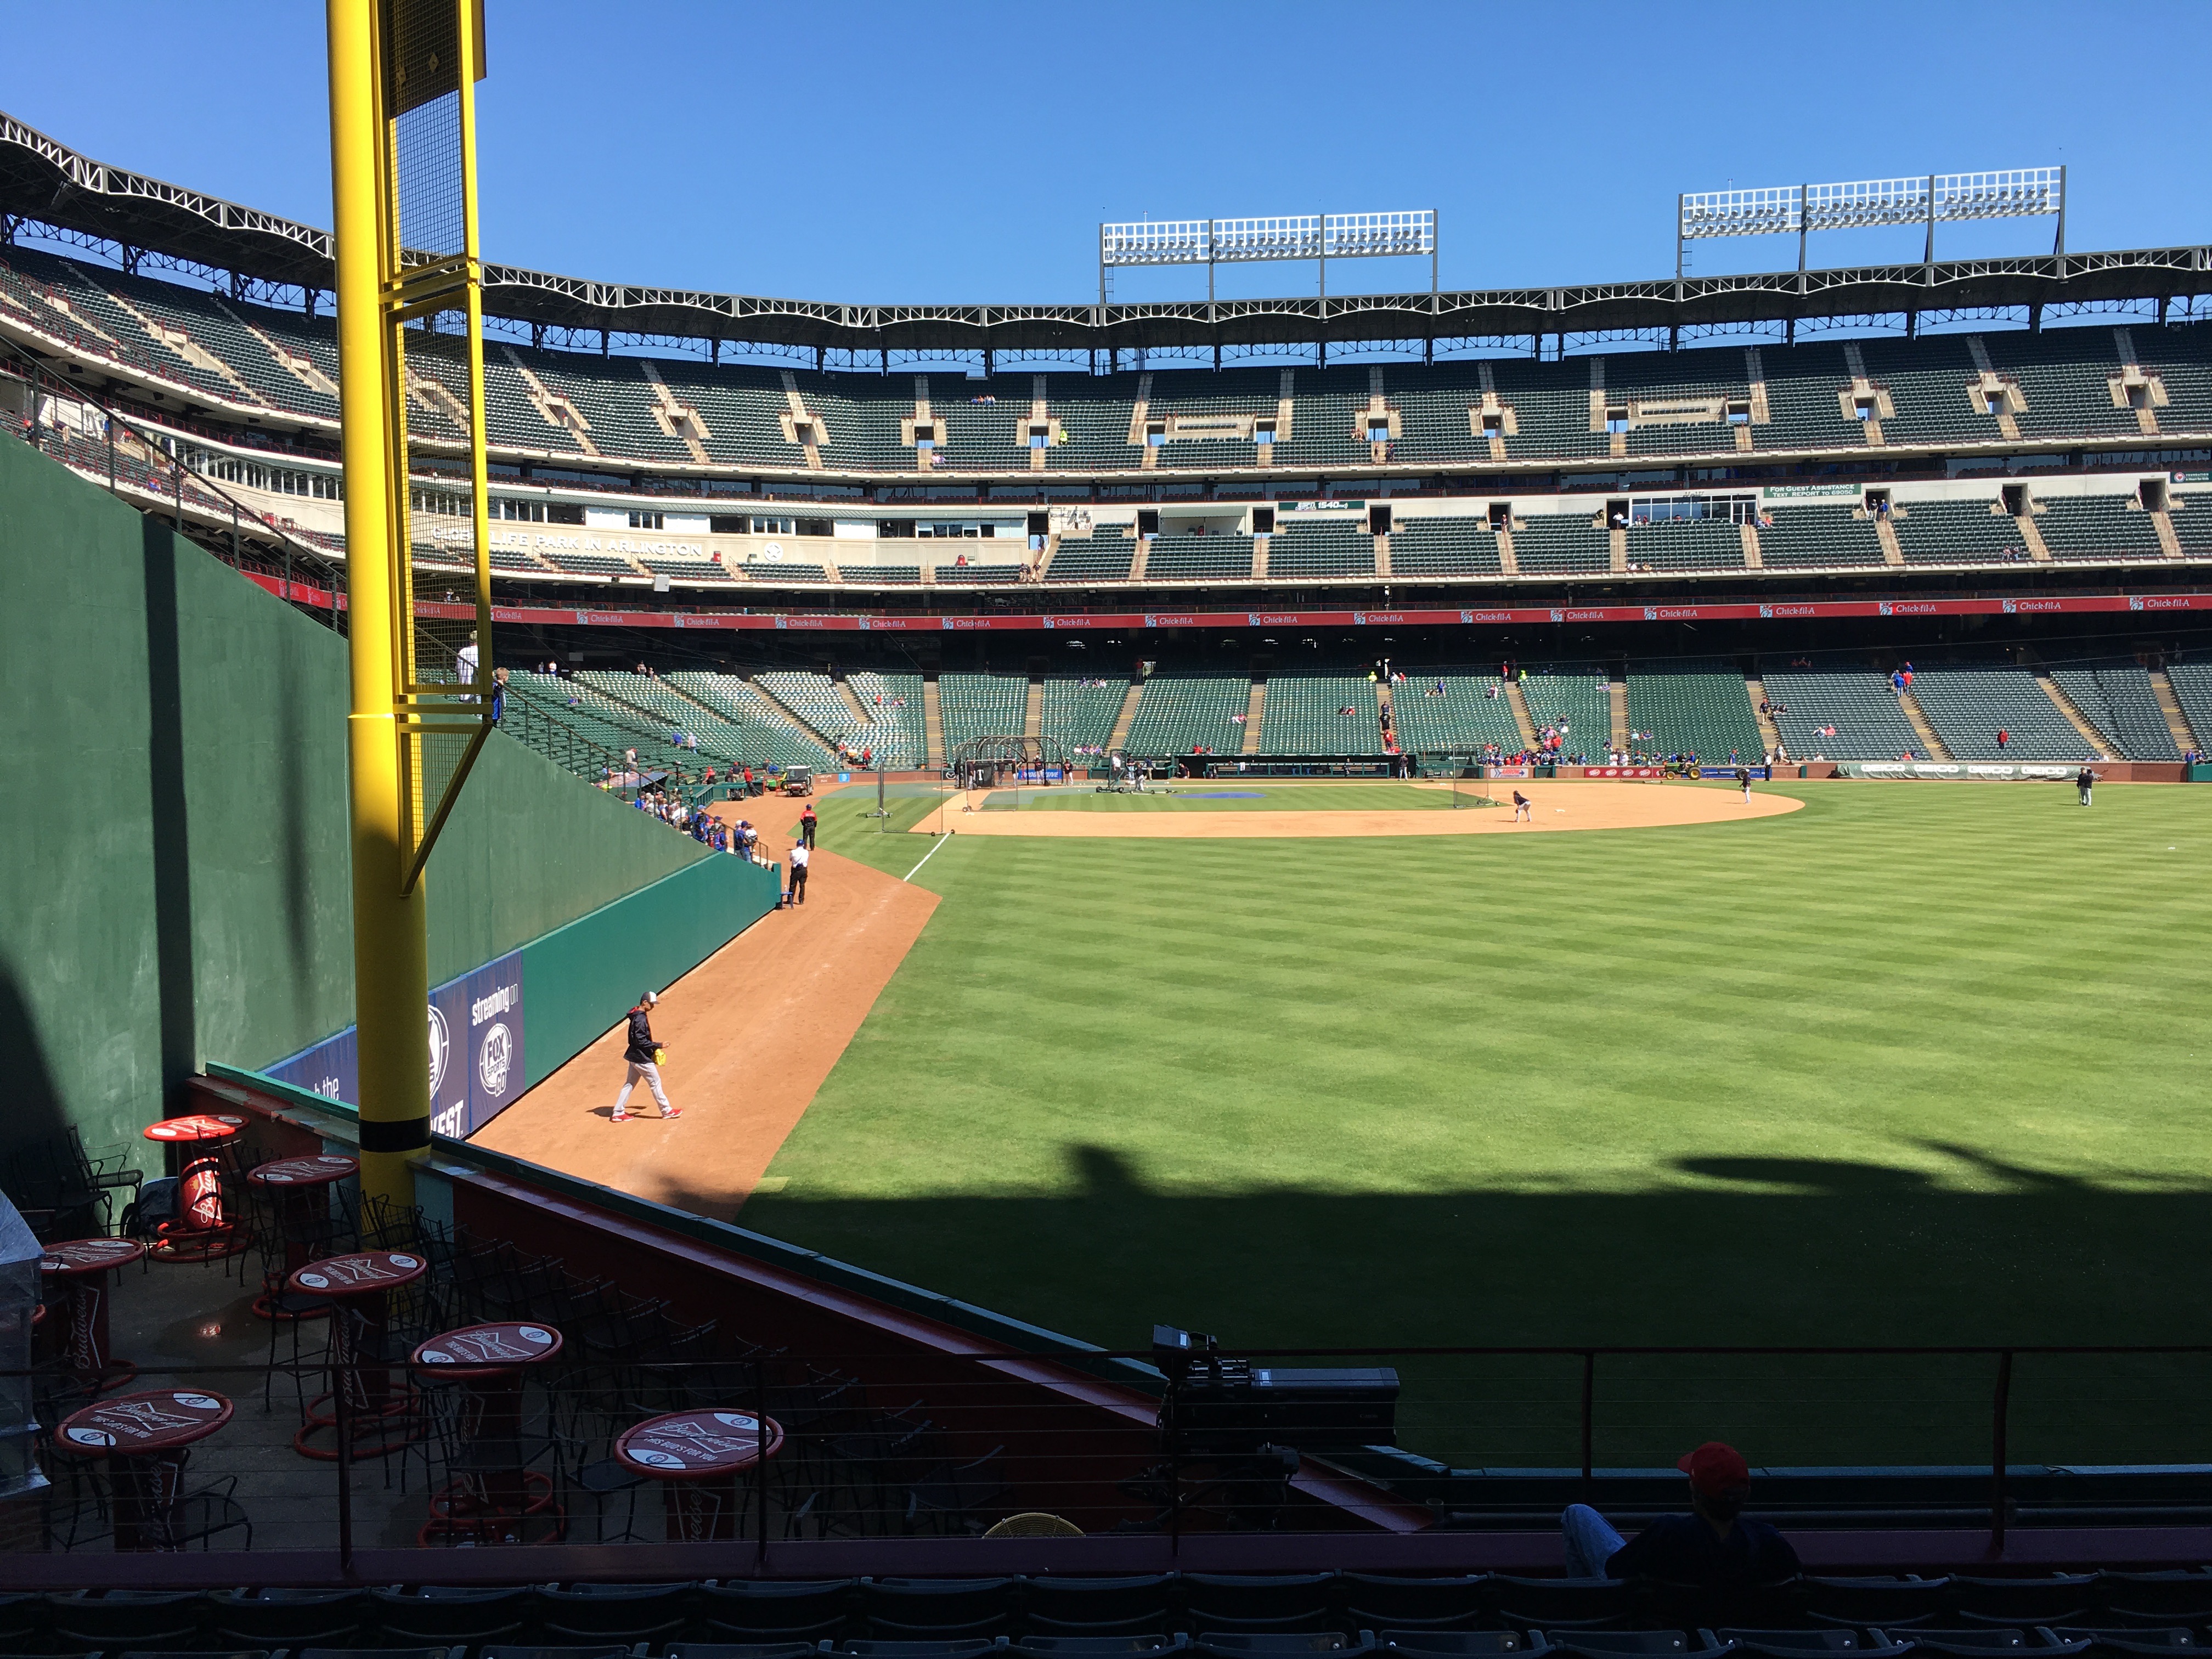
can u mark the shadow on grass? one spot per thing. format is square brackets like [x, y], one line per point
[1746, 1252]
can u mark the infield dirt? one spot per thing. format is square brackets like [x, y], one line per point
[1582, 804]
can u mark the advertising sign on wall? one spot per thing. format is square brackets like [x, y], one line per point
[475, 1051]
[1765, 610]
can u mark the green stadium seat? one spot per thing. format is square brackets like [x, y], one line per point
[1693, 707]
[1176, 712]
[1305, 715]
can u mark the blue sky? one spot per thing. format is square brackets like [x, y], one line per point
[967, 152]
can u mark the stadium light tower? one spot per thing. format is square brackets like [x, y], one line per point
[403, 167]
[1778, 209]
[1317, 236]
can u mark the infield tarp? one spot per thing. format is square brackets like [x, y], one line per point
[1968, 771]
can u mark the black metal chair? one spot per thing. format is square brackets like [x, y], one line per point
[959, 1498]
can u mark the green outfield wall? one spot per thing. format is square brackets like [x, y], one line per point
[582, 979]
[175, 881]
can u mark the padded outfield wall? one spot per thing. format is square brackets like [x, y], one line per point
[174, 886]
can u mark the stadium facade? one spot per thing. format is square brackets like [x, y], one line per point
[1558, 474]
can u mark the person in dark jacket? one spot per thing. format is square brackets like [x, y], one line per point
[642, 1064]
[1716, 1546]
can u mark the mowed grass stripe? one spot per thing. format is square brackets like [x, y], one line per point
[1919, 1064]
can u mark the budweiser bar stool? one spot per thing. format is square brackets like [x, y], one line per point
[199, 1148]
[296, 1193]
[494, 1497]
[383, 1419]
[701, 1459]
[141, 1439]
[81, 1267]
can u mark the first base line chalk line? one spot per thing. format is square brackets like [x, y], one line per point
[926, 857]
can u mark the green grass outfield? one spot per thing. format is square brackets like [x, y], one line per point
[1922, 1064]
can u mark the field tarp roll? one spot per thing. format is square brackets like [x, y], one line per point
[1970, 771]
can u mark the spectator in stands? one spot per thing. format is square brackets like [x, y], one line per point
[498, 696]
[643, 1054]
[2004, 737]
[1715, 1546]
[466, 659]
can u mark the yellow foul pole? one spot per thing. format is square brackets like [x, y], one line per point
[391, 954]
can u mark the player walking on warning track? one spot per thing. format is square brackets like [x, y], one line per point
[1521, 808]
[800, 858]
[644, 1057]
[806, 826]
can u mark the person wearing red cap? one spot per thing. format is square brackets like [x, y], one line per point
[1716, 1546]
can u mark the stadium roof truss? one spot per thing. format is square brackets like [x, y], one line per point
[49, 190]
